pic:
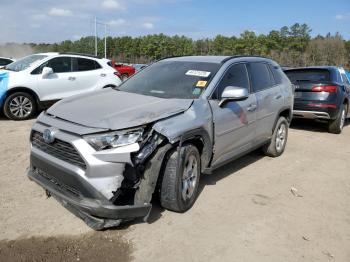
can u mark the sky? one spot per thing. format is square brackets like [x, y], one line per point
[49, 21]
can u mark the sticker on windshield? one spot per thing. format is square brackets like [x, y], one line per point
[197, 73]
[201, 83]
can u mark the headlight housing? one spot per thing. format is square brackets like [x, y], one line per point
[113, 139]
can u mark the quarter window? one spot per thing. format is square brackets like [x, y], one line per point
[276, 73]
[345, 79]
[236, 75]
[261, 76]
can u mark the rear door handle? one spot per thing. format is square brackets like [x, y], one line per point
[278, 96]
[71, 78]
[103, 75]
[251, 108]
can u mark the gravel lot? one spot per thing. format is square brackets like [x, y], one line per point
[245, 212]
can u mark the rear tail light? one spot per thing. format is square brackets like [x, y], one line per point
[328, 89]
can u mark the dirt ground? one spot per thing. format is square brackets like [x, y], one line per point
[292, 208]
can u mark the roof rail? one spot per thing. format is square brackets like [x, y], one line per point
[238, 56]
[80, 54]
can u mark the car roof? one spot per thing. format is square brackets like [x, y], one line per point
[71, 54]
[312, 68]
[215, 59]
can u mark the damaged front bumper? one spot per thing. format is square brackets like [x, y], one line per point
[97, 187]
[96, 213]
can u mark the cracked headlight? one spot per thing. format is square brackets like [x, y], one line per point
[113, 139]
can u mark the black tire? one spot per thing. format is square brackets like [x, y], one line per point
[172, 192]
[277, 145]
[26, 111]
[336, 126]
[124, 77]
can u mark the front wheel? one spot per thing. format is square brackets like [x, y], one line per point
[179, 186]
[19, 106]
[279, 139]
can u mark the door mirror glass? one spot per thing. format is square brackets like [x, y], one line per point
[233, 93]
[46, 71]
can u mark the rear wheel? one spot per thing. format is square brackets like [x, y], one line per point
[19, 106]
[336, 126]
[179, 186]
[279, 139]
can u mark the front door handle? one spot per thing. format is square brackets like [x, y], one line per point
[252, 107]
[71, 78]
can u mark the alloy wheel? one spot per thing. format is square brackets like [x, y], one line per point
[189, 177]
[21, 106]
[281, 137]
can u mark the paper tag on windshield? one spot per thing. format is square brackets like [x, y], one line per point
[201, 83]
[197, 73]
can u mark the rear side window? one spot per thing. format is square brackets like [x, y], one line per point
[236, 75]
[261, 76]
[84, 64]
[308, 75]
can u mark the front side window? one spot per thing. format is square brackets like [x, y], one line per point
[84, 64]
[172, 79]
[24, 63]
[261, 76]
[236, 75]
[58, 65]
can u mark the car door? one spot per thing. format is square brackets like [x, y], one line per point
[234, 121]
[88, 73]
[59, 84]
[269, 99]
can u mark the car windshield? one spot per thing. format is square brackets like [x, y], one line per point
[24, 63]
[172, 79]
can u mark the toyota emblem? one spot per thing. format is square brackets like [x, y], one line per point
[48, 136]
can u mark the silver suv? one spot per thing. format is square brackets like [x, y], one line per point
[104, 154]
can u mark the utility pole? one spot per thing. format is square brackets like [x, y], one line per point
[105, 40]
[105, 25]
[95, 36]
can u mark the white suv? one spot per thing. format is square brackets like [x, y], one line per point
[37, 81]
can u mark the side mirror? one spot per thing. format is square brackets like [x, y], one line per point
[233, 93]
[46, 72]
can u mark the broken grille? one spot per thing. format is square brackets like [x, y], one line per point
[59, 149]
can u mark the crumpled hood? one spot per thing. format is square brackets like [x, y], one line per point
[112, 109]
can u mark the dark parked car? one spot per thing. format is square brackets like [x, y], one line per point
[321, 93]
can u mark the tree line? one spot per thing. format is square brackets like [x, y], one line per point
[290, 46]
